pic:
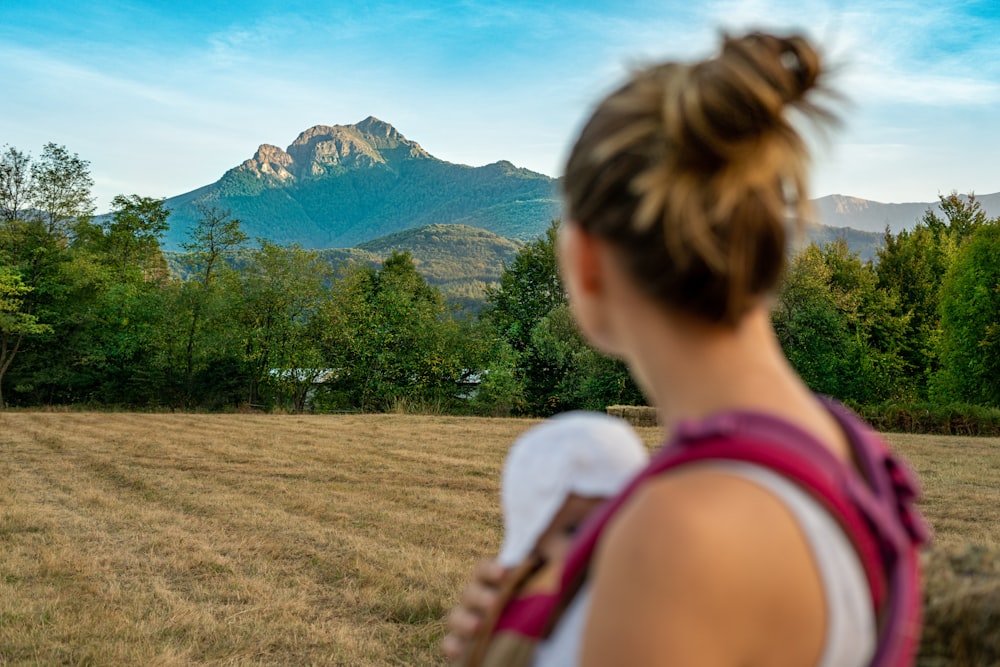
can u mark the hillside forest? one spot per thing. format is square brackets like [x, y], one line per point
[92, 315]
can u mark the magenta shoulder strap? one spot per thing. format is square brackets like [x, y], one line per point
[875, 509]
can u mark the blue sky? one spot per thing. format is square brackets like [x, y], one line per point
[162, 97]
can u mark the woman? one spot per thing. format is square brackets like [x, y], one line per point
[679, 192]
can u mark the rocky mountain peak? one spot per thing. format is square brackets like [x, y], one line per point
[378, 128]
[329, 148]
[385, 137]
[271, 161]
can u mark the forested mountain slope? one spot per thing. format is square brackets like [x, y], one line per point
[337, 186]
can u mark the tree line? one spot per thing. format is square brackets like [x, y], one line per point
[90, 315]
[919, 325]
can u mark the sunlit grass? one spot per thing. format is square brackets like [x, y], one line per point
[250, 539]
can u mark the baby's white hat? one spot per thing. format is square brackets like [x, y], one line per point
[587, 453]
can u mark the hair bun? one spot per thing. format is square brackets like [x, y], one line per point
[729, 102]
[696, 168]
[789, 64]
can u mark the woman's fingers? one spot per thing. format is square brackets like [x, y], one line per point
[482, 591]
[462, 627]
[480, 597]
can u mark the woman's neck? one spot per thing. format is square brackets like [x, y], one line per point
[692, 369]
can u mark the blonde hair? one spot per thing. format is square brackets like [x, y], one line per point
[693, 170]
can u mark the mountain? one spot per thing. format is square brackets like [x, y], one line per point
[337, 186]
[462, 261]
[450, 254]
[873, 216]
[865, 244]
[340, 185]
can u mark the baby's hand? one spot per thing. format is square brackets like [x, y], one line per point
[479, 599]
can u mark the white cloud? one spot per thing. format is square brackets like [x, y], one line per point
[918, 88]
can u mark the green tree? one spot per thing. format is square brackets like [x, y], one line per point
[61, 190]
[809, 324]
[211, 239]
[839, 329]
[214, 235]
[393, 340]
[557, 369]
[964, 216]
[15, 323]
[912, 266]
[970, 322]
[17, 189]
[123, 349]
[274, 298]
[499, 390]
[345, 322]
[588, 380]
[41, 202]
[131, 239]
[529, 289]
[125, 315]
[68, 287]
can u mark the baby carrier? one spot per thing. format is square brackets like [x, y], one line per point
[875, 511]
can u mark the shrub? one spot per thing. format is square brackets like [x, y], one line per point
[951, 419]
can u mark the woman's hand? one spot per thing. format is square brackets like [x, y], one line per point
[479, 599]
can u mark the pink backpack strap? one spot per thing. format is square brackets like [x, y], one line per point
[876, 511]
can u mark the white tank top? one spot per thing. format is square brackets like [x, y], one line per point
[851, 633]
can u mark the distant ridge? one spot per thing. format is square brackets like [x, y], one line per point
[872, 216]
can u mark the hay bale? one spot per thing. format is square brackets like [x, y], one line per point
[636, 415]
[962, 607]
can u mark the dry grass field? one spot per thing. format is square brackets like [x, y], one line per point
[138, 539]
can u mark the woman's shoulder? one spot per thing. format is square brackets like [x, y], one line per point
[710, 510]
[700, 552]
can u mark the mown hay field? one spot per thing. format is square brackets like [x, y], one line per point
[152, 539]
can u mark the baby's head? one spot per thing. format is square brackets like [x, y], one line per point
[556, 473]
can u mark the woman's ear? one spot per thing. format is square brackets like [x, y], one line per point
[590, 263]
[579, 260]
[582, 258]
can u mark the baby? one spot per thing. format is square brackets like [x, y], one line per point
[555, 475]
